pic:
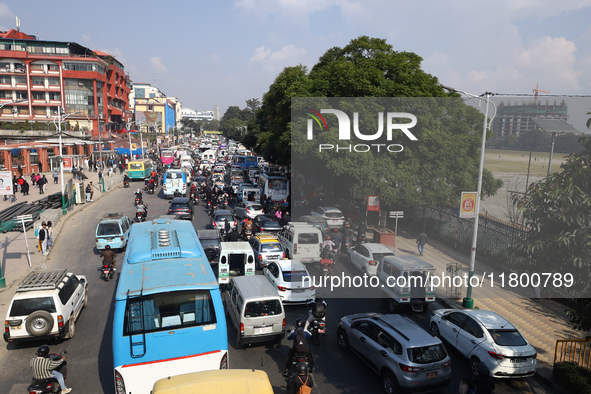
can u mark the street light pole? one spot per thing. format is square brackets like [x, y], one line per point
[61, 159]
[468, 302]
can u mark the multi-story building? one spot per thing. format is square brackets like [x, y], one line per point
[37, 77]
[153, 109]
[518, 118]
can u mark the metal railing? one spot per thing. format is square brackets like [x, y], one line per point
[573, 350]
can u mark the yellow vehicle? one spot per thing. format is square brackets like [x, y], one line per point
[222, 381]
[139, 169]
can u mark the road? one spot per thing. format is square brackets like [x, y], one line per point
[89, 352]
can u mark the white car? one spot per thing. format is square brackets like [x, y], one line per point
[368, 256]
[334, 217]
[250, 209]
[289, 278]
[485, 337]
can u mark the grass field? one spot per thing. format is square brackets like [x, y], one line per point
[515, 162]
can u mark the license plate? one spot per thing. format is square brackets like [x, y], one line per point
[109, 239]
[263, 330]
[15, 327]
[297, 291]
[431, 375]
[321, 331]
[519, 360]
[272, 257]
[105, 271]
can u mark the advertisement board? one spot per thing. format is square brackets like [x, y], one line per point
[67, 164]
[373, 203]
[468, 206]
[5, 183]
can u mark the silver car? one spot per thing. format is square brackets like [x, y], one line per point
[398, 349]
[219, 218]
[250, 209]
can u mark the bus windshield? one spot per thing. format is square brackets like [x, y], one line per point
[136, 166]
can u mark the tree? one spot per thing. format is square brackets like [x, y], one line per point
[557, 211]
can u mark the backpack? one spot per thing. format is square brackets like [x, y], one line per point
[37, 232]
[304, 388]
[319, 311]
[300, 343]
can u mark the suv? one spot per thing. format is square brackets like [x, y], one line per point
[46, 305]
[404, 354]
[113, 230]
[266, 248]
[181, 206]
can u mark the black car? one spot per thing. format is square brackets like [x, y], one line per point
[266, 224]
[181, 206]
[211, 242]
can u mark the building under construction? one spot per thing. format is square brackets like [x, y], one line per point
[518, 118]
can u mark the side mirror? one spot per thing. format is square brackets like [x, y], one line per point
[224, 260]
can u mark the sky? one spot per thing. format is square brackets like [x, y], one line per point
[226, 52]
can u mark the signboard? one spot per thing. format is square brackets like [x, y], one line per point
[396, 214]
[145, 144]
[6, 183]
[149, 117]
[373, 203]
[468, 206]
[67, 164]
[133, 146]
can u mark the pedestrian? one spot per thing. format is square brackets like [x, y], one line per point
[33, 179]
[16, 184]
[88, 191]
[49, 234]
[20, 170]
[37, 178]
[86, 164]
[19, 183]
[91, 191]
[25, 188]
[38, 232]
[421, 242]
[110, 171]
[44, 180]
[43, 238]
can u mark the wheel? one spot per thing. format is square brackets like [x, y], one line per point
[71, 327]
[393, 306]
[342, 340]
[39, 323]
[475, 365]
[389, 382]
[85, 298]
[435, 330]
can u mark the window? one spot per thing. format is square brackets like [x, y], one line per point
[20, 79]
[5, 94]
[163, 311]
[108, 229]
[296, 277]
[427, 354]
[368, 329]
[21, 95]
[5, 79]
[140, 93]
[55, 96]
[263, 308]
[271, 247]
[53, 81]
[308, 238]
[25, 307]
[456, 318]
[38, 81]
[53, 67]
[68, 290]
[37, 67]
[38, 95]
[507, 338]
[473, 328]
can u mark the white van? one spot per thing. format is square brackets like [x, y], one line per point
[174, 181]
[236, 259]
[255, 310]
[209, 155]
[301, 241]
[418, 292]
[250, 194]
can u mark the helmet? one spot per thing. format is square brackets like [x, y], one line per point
[137, 191]
[43, 351]
[302, 368]
[299, 323]
[328, 237]
[108, 247]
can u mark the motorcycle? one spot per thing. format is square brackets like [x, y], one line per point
[317, 328]
[247, 234]
[326, 266]
[297, 358]
[51, 385]
[125, 183]
[346, 243]
[224, 203]
[151, 189]
[138, 200]
[141, 216]
[107, 272]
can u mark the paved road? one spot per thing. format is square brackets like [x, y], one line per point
[90, 351]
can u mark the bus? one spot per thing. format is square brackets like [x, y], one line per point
[245, 162]
[231, 381]
[139, 169]
[275, 187]
[166, 156]
[169, 317]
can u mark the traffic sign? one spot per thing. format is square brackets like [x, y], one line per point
[396, 214]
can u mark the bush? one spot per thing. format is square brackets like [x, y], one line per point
[574, 377]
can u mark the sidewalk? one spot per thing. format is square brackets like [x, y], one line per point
[14, 262]
[541, 323]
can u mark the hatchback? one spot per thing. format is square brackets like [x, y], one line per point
[485, 337]
[218, 220]
[113, 230]
[181, 206]
[266, 248]
[368, 256]
[404, 354]
[250, 209]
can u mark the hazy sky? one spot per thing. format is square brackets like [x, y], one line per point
[225, 52]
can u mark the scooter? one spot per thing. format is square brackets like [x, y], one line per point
[125, 183]
[51, 385]
[107, 272]
[138, 200]
[141, 217]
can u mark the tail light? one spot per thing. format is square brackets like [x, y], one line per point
[241, 328]
[281, 288]
[60, 321]
[121, 239]
[408, 368]
[119, 383]
[535, 355]
[6, 329]
[371, 262]
[283, 323]
[295, 248]
[320, 247]
[215, 224]
[283, 256]
[224, 361]
[498, 356]
[447, 364]
[96, 239]
[234, 223]
[260, 257]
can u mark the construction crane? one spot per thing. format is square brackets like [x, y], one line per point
[536, 91]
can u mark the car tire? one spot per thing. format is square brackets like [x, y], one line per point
[71, 327]
[85, 298]
[435, 330]
[39, 323]
[389, 382]
[342, 340]
[475, 365]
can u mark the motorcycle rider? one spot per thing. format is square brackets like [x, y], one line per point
[318, 311]
[108, 257]
[299, 379]
[300, 344]
[151, 185]
[44, 367]
[233, 236]
[328, 242]
[246, 225]
[142, 208]
[227, 226]
[138, 194]
[126, 179]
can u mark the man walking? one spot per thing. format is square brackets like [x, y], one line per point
[43, 238]
[55, 175]
[421, 242]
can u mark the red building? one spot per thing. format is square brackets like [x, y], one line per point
[37, 77]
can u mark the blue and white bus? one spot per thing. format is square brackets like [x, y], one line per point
[245, 162]
[169, 317]
[275, 187]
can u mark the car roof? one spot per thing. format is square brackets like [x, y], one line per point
[312, 218]
[208, 234]
[414, 333]
[222, 212]
[266, 237]
[377, 247]
[291, 265]
[489, 319]
[329, 209]
[255, 286]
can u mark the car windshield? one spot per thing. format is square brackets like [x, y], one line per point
[256, 207]
[221, 218]
[427, 354]
[174, 175]
[27, 306]
[108, 229]
[333, 215]
[271, 224]
[262, 308]
[295, 276]
[210, 243]
[507, 337]
[271, 247]
[308, 238]
[135, 166]
[380, 256]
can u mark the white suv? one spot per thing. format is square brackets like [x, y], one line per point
[46, 305]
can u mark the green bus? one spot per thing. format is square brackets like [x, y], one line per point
[139, 169]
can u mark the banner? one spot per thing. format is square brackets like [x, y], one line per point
[5, 183]
[468, 206]
[67, 164]
[133, 146]
[373, 203]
